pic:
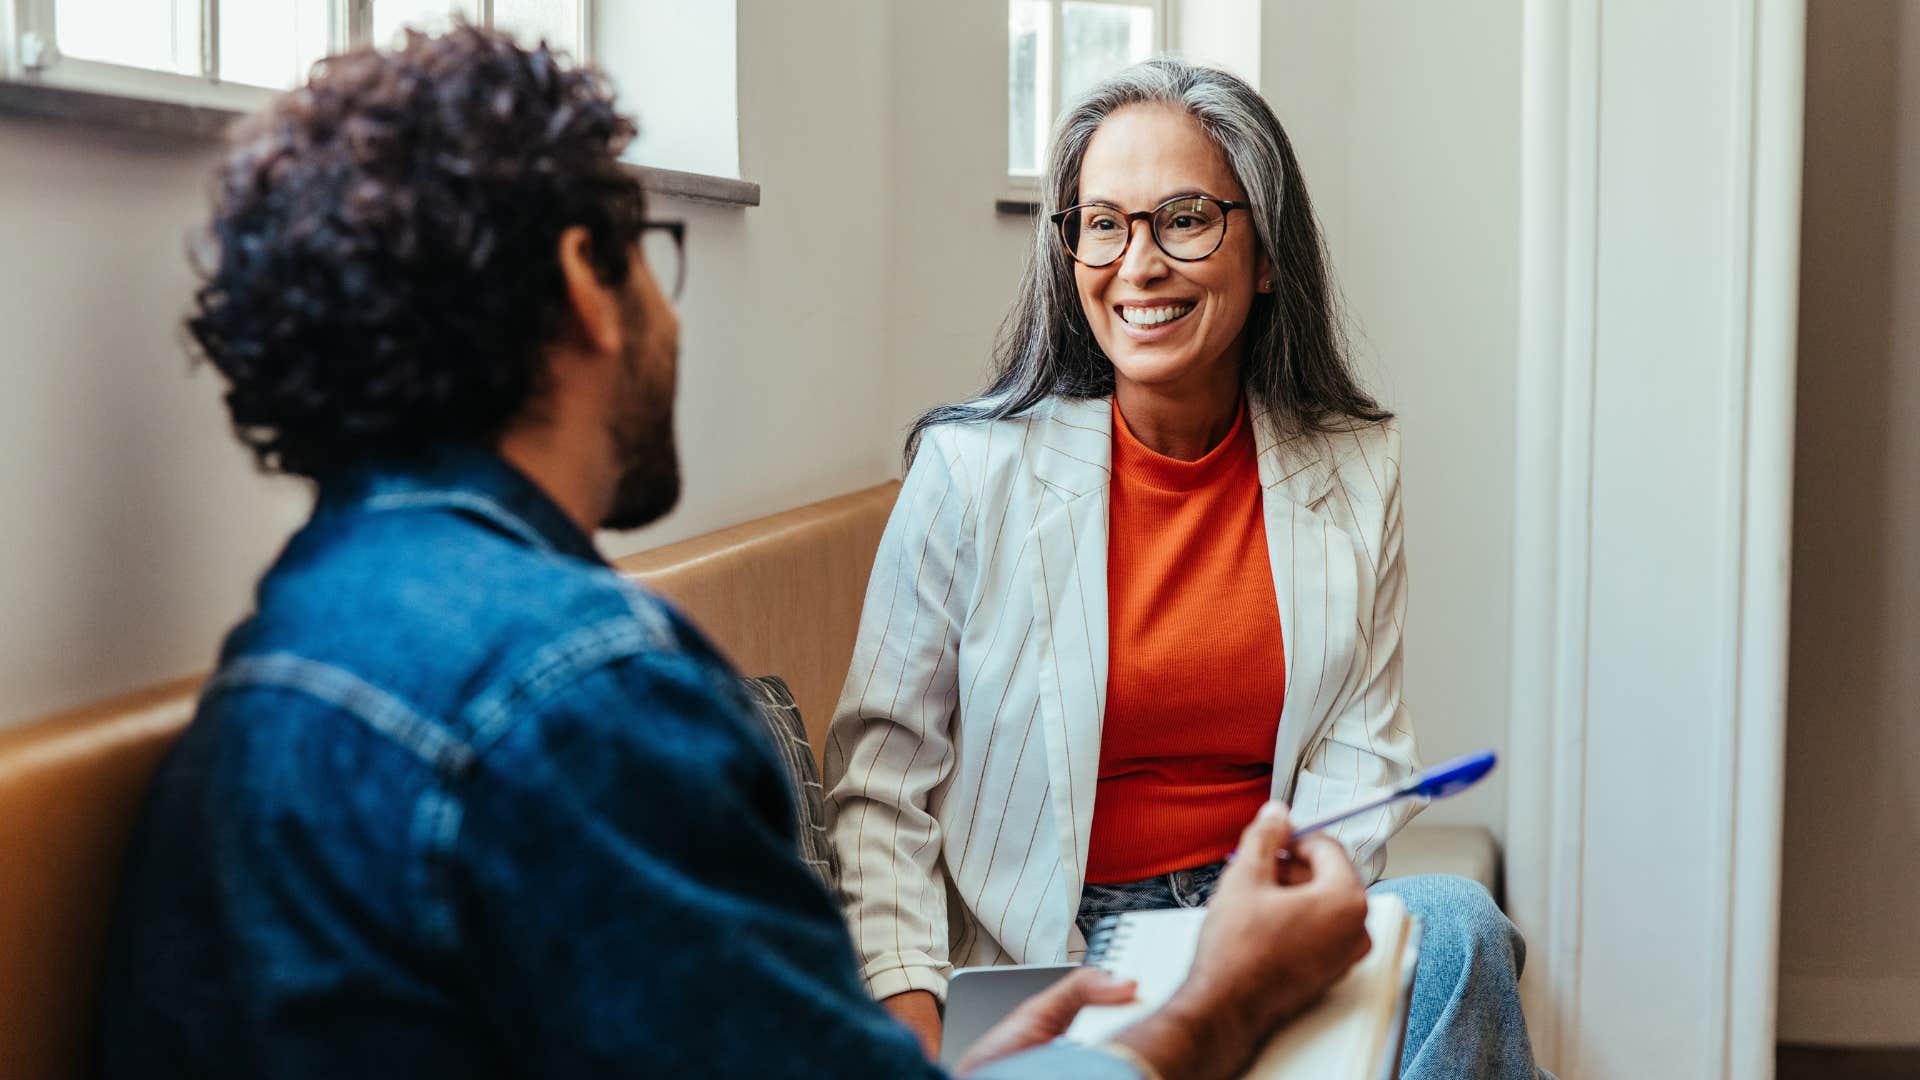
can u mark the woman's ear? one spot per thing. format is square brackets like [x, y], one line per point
[1264, 275]
[593, 305]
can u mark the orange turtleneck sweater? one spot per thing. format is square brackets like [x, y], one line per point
[1196, 669]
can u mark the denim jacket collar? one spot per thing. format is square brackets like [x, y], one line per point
[468, 480]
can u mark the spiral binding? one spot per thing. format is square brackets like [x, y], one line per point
[1108, 935]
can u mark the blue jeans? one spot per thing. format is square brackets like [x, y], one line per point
[1465, 1018]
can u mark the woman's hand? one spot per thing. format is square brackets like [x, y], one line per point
[921, 1013]
[1045, 1016]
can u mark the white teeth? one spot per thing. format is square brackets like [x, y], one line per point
[1153, 316]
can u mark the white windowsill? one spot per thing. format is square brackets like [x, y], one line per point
[44, 100]
[1020, 197]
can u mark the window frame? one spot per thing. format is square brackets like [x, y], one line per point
[1023, 189]
[30, 57]
[36, 82]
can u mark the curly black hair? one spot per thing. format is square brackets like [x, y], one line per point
[381, 270]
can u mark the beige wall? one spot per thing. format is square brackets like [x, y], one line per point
[1849, 956]
[956, 263]
[785, 380]
[1407, 122]
[135, 527]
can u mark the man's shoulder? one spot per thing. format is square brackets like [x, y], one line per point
[402, 661]
[456, 624]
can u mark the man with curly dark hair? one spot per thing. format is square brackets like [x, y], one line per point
[381, 276]
[459, 800]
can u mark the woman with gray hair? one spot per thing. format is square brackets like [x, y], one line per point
[1148, 581]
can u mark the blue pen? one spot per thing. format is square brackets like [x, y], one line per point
[1438, 782]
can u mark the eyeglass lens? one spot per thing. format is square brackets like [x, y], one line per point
[1188, 229]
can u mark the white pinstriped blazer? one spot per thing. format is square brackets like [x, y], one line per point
[962, 759]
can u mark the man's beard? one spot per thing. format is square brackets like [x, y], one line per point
[650, 465]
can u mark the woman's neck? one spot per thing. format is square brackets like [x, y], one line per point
[1182, 421]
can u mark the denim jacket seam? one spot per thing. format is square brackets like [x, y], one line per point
[437, 817]
[557, 665]
[432, 743]
[437, 812]
[481, 505]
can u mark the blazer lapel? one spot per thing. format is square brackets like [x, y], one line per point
[1316, 583]
[1069, 581]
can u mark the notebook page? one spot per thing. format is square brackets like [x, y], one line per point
[1341, 1036]
[1155, 949]
[1345, 1034]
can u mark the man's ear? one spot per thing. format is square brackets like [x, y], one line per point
[594, 307]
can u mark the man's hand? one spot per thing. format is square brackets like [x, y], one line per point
[921, 1013]
[1045, 1016]
[1274, 947]
[1277, 936]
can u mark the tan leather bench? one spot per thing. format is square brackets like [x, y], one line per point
[70, 789]
[781, 595]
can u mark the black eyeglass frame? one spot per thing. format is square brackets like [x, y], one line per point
[677, 230]
[1227, 207]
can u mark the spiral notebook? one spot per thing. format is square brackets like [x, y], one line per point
[1353, 1033]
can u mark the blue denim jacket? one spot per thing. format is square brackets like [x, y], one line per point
[461, 801]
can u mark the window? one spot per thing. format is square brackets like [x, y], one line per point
[188, 66]
[1056, 51]
[676, 62]
[231, 53]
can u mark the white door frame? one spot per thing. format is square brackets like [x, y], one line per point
[1566, 826]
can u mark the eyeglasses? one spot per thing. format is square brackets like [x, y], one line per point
[663, 247]
[1187, 227]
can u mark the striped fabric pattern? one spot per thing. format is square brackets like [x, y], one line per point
[962, 759]
[773, 700]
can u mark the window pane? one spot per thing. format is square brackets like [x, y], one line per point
[1029, 81]
[1098, 40]
[160, 34]
[273, 44]
[432, 16]
[557, 22]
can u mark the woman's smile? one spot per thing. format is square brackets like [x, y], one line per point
[1148, 321]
